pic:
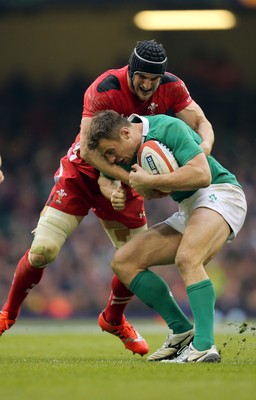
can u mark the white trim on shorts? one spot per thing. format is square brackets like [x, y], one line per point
[228, 200]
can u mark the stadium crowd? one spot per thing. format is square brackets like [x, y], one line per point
[38, 124]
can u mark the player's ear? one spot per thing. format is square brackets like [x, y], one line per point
[125, 132]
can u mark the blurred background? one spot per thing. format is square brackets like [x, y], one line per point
[50, 52]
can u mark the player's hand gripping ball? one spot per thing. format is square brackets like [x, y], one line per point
[155, 158]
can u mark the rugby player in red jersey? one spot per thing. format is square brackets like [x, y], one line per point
[143, 87]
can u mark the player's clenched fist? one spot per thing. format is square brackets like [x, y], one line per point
[118, 198]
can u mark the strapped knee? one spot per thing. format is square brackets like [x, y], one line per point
[51, 232]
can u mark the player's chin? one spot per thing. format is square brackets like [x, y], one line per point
[144, 96]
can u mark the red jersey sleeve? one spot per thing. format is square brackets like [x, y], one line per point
[94, 102]
[177, 93]
[105, 93]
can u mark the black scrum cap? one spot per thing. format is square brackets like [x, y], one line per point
[149, 57]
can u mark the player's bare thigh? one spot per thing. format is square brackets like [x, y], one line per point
[156, 246]
[118, 233]
[204, 236]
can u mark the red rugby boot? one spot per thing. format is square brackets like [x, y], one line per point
[131, 339]
[5, 322]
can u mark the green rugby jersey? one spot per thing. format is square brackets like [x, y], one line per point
[184, 144]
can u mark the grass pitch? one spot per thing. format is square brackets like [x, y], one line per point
[69, 363]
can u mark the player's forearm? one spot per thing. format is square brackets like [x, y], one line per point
[85, 153]
[194, 175]
[185, 178]
[111, 170]
[115, 171]
[206, 133]
[96, 160]
[194, 116]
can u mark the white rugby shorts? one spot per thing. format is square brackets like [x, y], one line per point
[228, 200]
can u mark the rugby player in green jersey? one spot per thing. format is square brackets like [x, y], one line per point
[212, 210]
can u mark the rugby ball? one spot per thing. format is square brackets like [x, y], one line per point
[155, 158]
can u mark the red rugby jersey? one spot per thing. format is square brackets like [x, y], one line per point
[110, 91]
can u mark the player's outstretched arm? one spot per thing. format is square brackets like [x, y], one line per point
[96, 160]
[194, 116]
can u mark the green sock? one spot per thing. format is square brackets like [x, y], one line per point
[202, 300]
[152, 290]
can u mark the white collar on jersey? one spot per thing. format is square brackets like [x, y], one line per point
[145, 123]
